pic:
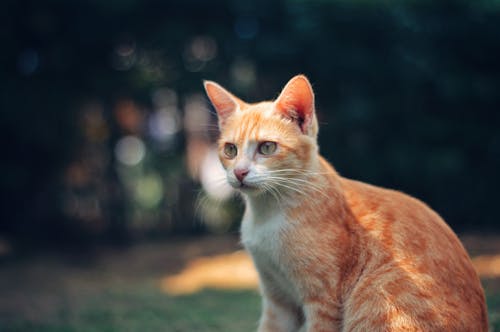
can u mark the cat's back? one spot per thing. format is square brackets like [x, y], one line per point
[391, 215]
[401, 223]
[413, 260]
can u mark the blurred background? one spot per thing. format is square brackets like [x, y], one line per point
[107, 135]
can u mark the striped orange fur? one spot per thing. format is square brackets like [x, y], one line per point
[335, 254]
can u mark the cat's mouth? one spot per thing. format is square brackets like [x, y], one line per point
[245, 187]
[240, 185]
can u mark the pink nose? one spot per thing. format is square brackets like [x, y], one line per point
[240, 173]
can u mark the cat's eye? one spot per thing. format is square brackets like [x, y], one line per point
[267, 148]
[230, 150]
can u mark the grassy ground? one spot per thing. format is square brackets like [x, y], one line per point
[145, 309]
[120, 291]
[493, 299]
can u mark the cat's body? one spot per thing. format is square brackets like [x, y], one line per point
[335, 254]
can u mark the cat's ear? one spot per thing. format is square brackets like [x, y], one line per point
[296, 102]
[225, 103]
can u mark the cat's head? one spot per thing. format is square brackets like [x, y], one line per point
[268, 146]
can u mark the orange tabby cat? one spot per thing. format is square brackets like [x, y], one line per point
[335, 254]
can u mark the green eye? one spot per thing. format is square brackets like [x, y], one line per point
[230, 150]
[267, 148]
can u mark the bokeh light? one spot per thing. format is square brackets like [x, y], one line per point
[198, 52]
[163, 125]
[149, 190]
[197, 115]
[243, 73]
[130, 150]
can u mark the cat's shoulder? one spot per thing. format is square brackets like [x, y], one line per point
[358, 192]
[367, 200]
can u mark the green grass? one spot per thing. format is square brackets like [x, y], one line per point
[494, 310]
[147, 309]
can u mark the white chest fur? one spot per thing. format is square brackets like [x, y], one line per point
[262, 232]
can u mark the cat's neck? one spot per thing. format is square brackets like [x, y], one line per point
[262, 207]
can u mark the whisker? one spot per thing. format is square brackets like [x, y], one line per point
[304, 181]
[296, 171]
[308, 184]
[282, 184]
[294, 183]
[300, 181]
[275, 193]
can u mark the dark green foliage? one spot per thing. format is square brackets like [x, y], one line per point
[407, 95]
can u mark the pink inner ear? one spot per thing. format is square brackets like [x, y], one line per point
[296, 102]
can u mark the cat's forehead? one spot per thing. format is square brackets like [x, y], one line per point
[256, 122]
[264, 108]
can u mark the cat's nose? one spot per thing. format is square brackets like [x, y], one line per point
[241, 173]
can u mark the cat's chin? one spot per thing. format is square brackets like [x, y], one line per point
[248, 189]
